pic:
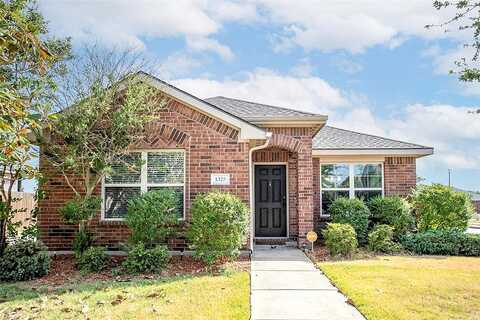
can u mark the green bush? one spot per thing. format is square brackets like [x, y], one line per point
[82, 241]
[152, 216]
[380, 239]
[24, 260]
[353, 212]
[438, 207]
[443, 242]
[140, 259]
[340, 239]
[219, 226]
[94, 259]
[393, 211]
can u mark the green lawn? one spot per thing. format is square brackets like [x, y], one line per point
[204, 297]
[401, 287]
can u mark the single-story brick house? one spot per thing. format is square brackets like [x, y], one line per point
[287, 165]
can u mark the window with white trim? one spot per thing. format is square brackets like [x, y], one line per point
[360, 180]
[140, 172]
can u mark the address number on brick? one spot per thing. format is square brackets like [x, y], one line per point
[220, 179]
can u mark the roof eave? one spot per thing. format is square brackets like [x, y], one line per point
[411, 152]
[308, 121]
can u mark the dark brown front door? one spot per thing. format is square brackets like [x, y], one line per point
[270, 201]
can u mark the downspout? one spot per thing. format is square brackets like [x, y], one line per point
[250, 176]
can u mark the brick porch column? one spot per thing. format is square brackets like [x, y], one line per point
[305, 190]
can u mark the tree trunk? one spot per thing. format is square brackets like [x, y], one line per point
[3, 236]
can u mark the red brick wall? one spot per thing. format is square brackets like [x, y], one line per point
[211, 147]
[400, 175]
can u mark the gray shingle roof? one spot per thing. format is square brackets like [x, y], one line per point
[329, 138]
[253, 111]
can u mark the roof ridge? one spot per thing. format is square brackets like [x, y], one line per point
[266, 105]
[376, 136]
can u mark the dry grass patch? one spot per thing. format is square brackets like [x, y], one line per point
[225, 296]
[404, 287]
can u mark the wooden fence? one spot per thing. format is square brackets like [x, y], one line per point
[27, 202]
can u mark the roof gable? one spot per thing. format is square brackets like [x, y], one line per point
[247, 129]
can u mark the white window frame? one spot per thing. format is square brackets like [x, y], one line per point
[351, 189]
[144, 184]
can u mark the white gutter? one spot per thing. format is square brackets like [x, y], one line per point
[250, 176]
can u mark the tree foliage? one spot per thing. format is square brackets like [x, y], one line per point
[105, 106]
[30, 61]
[465, 19]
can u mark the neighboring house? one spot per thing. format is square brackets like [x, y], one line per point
[287, 165]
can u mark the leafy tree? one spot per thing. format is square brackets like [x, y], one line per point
[30, 60]
[466, 18]
[104, 105]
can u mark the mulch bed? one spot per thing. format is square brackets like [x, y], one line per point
[320, 253]
[63, 272]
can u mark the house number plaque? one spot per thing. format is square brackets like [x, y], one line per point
[220, 179]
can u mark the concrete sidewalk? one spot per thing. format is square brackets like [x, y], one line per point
[286, 285]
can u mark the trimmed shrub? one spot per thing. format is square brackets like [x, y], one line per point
[152, 216]
[470, 245]
[219, 226]
[438, 207]
[340, 239]
[443, 242]
[353, 212]
[380, 239]
[24, 260]
[142, 260]
[94, 259]
[393, 211]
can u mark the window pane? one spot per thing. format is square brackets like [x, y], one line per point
[367, 195]
[329, 196]
[335, 176]
[127, 171]
[116, 200]
[165, 167]
[178, 194]
[368, 176]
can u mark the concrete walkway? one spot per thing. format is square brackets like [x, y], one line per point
[286, 285]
